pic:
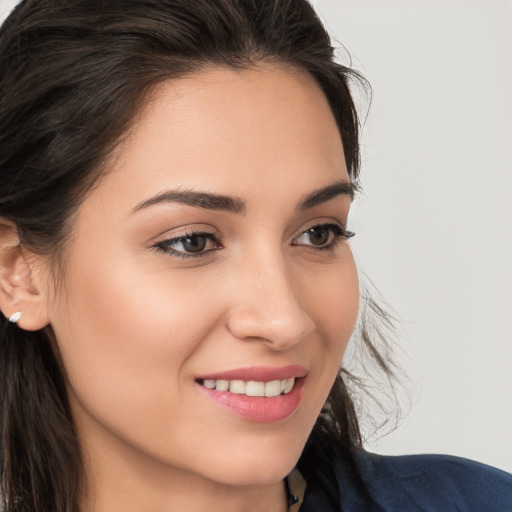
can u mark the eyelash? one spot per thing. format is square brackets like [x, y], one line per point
[166, 245]
[336, 234]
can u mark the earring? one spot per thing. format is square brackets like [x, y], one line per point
[14, 318]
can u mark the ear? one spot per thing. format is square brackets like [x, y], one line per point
[21, 282]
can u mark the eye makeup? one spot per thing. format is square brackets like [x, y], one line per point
[200, 243]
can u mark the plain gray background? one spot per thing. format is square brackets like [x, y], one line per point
[434, 224]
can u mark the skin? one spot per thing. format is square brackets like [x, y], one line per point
[135, 326]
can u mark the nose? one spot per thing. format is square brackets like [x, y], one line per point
[266, 305]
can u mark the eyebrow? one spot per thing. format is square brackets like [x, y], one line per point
[217, 202]
[199, 199]
[344, 188]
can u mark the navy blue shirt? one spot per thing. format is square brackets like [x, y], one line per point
[426, 483]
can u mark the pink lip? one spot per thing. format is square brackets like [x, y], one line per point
[258, 409]
[258, 373]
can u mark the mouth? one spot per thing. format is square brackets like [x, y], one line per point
[251, 387]
[260, 395]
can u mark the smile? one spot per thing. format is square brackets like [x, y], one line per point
[258, 393]
[251, 388]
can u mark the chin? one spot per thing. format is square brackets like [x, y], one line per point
[265, 463]
[262, 472]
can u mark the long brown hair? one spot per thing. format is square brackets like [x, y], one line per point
[73, 74]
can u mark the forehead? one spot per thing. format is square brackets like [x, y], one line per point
[223, 129]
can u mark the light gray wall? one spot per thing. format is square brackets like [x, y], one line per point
[5, 8]
[435, 223]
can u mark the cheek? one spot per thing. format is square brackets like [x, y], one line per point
[125, 343]
[333, 300]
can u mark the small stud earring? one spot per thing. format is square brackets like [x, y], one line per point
[14, 318]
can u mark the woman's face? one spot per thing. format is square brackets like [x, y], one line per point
[213, 254]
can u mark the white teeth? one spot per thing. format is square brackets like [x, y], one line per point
[252, 388]
[255, 388]
[273, 388]
[221, 385]
[289, 385]
[237, 387]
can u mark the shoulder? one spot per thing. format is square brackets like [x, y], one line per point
[426, 483]
[435, 483]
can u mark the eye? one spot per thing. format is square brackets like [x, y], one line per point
[323, 236]
[189, 245]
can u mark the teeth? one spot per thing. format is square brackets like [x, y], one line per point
[221, 385]
[252, 388]
[288, 385]
[237, 387]
[255, 388]
[273, 388]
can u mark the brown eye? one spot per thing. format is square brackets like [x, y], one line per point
[324, 236]
[196, 244]
[319, 236]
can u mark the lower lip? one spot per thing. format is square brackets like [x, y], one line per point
[259, 409]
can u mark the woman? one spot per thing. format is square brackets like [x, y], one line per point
[176, 281]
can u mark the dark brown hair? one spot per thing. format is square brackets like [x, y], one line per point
[73, 74]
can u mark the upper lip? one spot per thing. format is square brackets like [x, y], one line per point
[258, 373]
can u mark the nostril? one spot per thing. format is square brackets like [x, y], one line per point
[281, 329]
